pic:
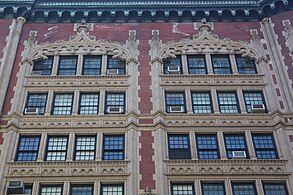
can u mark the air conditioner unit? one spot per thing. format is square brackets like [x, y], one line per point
[35, 73]
[31, 111]
[238, 154]
[15, 187]
[173, 69]
[114, 110]
[258, 108]
[112, 72]
[176, 108]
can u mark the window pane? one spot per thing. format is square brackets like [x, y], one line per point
[252, 98]
[44, 66]
[89, 103]
[228, 102]
[196, 64]
[112, 190]
[82, 190]
[264, 146]
[175, 102]
[62, 104]
[243, 189]
[207, 147]
[179, 146]
[182, 189]
[115, 101]
[28, 148]
[213, 189]
[275, 189]
[173, 64]
[235, 143]
[201, 103]
[221, 64]
[245, 65]
[67, 65]
[116, 64]
[37, 100]
[51, 190]
[85, 147]
[113, 147]
[92, 65]
[56, 149]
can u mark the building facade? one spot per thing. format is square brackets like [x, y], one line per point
[146, 98]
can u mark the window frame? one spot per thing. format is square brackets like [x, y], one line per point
[116, 184]
[182, 184]
[109, 57]
[236, 98]
[165, 64]
[203, 56]
[75, 147]
[206, 149]
[67, 57]
[27, 101]
[265, 149]
[81, 185]
[236, 149]
[47, 146]
[106, 100]
[227, 56]
[54, 99]
[243, 183]
[116, 150]
[36, 151]
[237, 56]
[87, 106]
[51, 185]
[173, 156]
[210, 105]
[264, 183]
[44, 69]
[167, 105]
[212, 183]
[247, 105]
[85, 57]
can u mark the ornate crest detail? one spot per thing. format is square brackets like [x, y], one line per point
[148, 191]
[288, 33]
[257, 44]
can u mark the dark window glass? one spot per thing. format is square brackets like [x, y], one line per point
[37, 100]
[235, 142]
[275, 189]
[202, 103]
[196, 64]
[67, 65]
[213, 189]
[251, 98]
[175, 102]
[28, 189]
[228, 102]
[113, 147]
[92, 65]
[115, 103]
[172, 65]
[85, 147]
[179, 146]
[28, 148]
[116, 65]
[56, 148]
[62, 104]
[81, 190]
[221, 64]
[264, 146]
[89, 103]
[243, 189]
[182, 189]
[51, 190]
[207, 146]
[245, 65]
[44, 67]
[112, 189]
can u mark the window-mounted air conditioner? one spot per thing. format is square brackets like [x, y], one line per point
[114, 110]
[112, 72]
[15, 187]
[176, 108]
[258, 108]
[173, 69]
[239, 154]
[31, 111]
[36, 73]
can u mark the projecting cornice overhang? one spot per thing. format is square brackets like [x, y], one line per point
[143, 10]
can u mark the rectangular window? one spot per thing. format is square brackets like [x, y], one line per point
[108, 189]
[81, 190]
[172, 65]
[275, 188]
[51, 190]
[235, 142]
[113, 147]
[207, 146]
[28, 148]
[243, 189]
[202, 103]
[179, 147]
[116, 66]
[213, 189]
[221, 64]
[182, 189]
[92, 65]
[62, 104]
[228, 102]
[196, 64]
[56, 148]
[115, 103]
[254, 98]
[85, 147]
[264, 146]
[28, 189]
[175, 102]
[37, 101]
[89, 103]
[67, 65]
[245, 65]
[43, 67]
